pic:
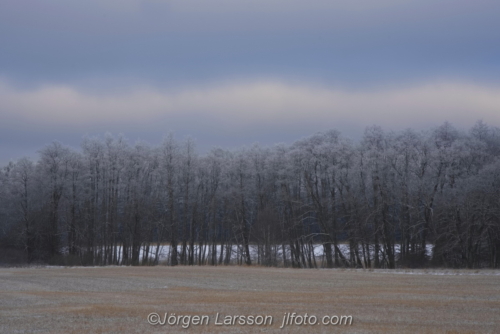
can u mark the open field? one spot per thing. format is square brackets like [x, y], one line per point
[119, 299]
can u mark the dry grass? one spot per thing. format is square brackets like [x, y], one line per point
[118, 299]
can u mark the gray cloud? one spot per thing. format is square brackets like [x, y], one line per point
[139, 16]
[242, 105]
[349, 43]
[195, 66]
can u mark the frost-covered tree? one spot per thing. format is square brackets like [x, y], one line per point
[393, 199]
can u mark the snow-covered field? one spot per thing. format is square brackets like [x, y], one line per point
[118, 299]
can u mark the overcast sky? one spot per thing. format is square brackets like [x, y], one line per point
[235, 72]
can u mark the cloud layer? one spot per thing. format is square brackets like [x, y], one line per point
[233, 72]
[198, 41]
[247, 105]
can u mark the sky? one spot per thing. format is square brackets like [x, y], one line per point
[234, 72]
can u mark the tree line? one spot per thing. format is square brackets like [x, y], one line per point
[393, 199]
